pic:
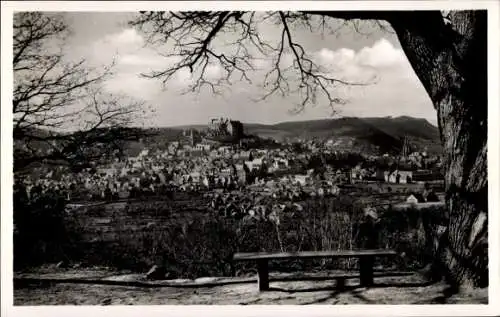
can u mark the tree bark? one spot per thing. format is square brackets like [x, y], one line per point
[450, 59]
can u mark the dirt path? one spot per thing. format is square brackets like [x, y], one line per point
[410, 289]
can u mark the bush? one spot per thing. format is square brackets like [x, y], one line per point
[191, 242]
[40, 234]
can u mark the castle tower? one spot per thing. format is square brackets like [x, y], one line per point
[406, 147]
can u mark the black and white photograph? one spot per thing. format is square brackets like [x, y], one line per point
[233, 154]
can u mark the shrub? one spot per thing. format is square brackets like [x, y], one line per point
[40, 234]
[191, 242]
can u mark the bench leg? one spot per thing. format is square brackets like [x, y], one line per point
[233, 269]
[340, 283]
[366, 270]
[263, 278]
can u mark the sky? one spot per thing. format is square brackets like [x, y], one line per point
[370, 54]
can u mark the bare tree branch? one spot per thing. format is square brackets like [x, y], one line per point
[51, 97]
[232, 41]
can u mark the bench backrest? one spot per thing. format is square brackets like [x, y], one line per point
[311, 254]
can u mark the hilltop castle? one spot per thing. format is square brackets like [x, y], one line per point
[225, 129]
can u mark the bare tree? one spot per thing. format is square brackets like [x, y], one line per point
[61, 113]
[447, 53]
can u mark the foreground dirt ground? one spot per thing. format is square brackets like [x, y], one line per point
[104, 287]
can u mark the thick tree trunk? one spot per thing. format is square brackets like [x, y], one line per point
[451, 61]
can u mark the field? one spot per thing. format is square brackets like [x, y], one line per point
[184, 235]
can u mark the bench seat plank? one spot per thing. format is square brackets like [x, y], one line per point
[311, 254]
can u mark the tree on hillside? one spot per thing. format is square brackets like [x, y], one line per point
[447, 53]
[61, 112]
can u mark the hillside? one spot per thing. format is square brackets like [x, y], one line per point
[384, 134]
[379, 135]
[367, 135]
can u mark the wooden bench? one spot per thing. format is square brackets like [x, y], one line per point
[366, 260]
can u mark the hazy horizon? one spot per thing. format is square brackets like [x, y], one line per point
[286, 121]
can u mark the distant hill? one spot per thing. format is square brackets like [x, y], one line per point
[371, 134]
[375, 135]
[367, 135]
